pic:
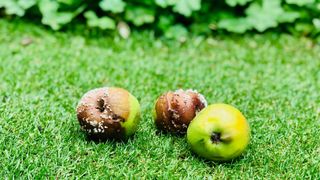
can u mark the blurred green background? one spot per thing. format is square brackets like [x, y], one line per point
[173, 18]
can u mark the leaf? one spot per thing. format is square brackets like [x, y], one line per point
[115, 6]
[300, 2]
[139, 15]
[56, 21]
[185, 7]
[165, 3]
[106, 23]
[236, 25]
[53, 18]
[165, 22]
[233, 3]
[48, 7]
[102, 23]
[68, 2]
[90, 15]
[26, 4]
[177, 32]
[288, 16]
[12, 7]
[316, 23]
[304, 28]
[201, 28]
[70, 5]
[264, 16]
[50, 15]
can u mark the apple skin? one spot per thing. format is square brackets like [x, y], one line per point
[108, 112]
[219, 132]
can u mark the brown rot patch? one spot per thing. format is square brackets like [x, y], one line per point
[101, 111]
[175, 110]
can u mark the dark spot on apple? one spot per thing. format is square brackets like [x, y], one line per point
[215, 137]
[201, 140]
[101, 105]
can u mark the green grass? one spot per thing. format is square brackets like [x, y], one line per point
[274, 80]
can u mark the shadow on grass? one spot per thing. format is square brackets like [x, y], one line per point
[213, 163]
[98, 139]
[167, 134]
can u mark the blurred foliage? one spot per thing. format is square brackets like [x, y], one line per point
[175, 18]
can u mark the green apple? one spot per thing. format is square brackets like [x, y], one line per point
[219, 132]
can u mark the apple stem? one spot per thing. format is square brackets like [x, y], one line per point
[216, 137]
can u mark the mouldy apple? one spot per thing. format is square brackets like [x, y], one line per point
[219, 132]
[175, 110]
[108, 113]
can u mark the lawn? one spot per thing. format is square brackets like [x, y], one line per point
[273, 79]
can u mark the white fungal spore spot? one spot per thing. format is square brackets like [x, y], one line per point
[95, 130]
[89, 95]
[93, 123]
[106, 92]
[178, 91]
[203, 100]
[175, 114]
[104, 116]
[200, 96]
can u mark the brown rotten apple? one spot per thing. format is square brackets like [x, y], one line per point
[175, 110]
[108, 113]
